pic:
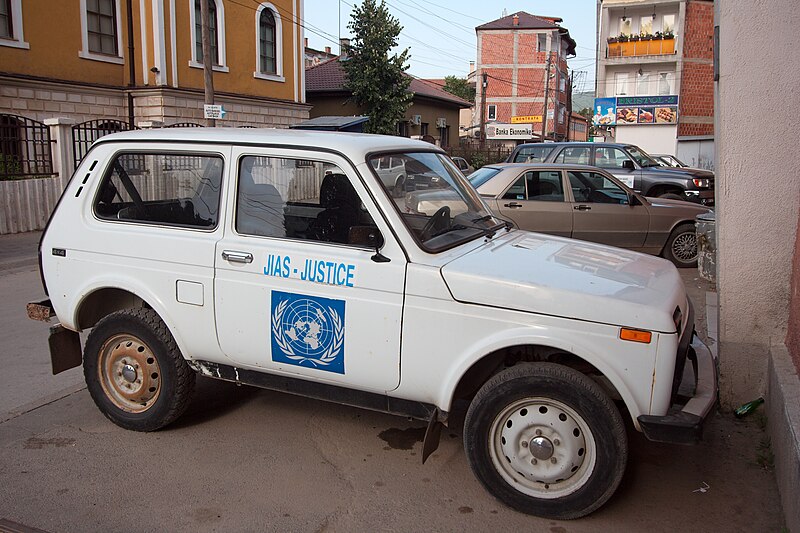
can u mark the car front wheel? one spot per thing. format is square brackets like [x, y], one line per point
[681, 246]
[546, 440]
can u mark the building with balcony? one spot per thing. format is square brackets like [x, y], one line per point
[522, 61]
[655, 76]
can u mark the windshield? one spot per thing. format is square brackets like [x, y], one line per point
[482, 175]
[436, 202]
[641, 157]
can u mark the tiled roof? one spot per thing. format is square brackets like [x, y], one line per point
[330, 76]
[530, 22]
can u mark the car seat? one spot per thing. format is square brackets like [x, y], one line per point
[341, 205]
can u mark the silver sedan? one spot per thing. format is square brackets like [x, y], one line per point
[588, 203]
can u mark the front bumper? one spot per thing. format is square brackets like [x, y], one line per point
[684, 425]
[703, 197]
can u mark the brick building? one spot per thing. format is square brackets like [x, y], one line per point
[515, 54]
[655, 83]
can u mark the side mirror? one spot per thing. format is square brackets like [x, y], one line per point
[628, 164]
[633, 200]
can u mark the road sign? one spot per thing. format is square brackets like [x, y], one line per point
[214, 111]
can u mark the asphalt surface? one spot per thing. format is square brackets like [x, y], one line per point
[243, 459]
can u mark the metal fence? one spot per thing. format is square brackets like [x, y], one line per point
[85, 133]
[25, 148]
[477, 156]
[185, 125]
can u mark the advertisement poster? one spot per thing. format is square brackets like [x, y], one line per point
[647, 109]
[605, 112]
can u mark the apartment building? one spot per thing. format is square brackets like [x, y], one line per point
[655, 76]
[522, 78]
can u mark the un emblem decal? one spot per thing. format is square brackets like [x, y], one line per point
[308, 331]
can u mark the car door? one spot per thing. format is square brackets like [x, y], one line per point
[601, 212]
[535, 201]
[613, 160]
[296, 289]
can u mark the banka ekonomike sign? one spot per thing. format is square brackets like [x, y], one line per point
[509, 131]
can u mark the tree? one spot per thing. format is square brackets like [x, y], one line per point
[377, 80]
[459, 87]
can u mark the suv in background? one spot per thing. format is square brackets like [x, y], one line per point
[629, 164]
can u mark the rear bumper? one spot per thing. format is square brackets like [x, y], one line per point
[684, 425]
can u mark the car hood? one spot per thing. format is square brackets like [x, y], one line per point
[556, 276]
[682, 172]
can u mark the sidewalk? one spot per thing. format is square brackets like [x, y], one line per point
[19, 250]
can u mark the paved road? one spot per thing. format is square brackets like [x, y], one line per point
[243, 459]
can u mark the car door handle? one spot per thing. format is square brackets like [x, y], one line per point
[512, 205]
[237, 257]
[582, 208]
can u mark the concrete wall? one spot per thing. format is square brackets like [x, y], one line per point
[757, 191]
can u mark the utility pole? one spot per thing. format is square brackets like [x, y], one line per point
[131, 64]
[208, 61]
[569, 101]
[546, 90]
[484, 83]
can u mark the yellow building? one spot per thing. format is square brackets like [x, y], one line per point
[90, 59]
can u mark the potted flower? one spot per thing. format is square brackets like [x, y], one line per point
[613, 40]
[623, 38]
[645, 36]
[634, 37]
[657, 36]
[669, 35]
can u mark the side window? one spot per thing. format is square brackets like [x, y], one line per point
[576, 155]
[162, 188]
[517, 190]
[299, 199]
[545, 186]
[532, 154]
[593, 187]
[607, 157]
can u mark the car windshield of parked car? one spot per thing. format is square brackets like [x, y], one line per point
[482, 175]
[641, 157]
[436, 202]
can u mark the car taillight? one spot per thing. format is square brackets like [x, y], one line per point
[700, 182]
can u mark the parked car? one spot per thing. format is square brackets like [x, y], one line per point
[282, 259]
[590, 204]
[628, 163]
[669, 160]
[463, 166]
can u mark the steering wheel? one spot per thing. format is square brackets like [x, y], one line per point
[439, 220]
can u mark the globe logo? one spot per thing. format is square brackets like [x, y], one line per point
[308, 331]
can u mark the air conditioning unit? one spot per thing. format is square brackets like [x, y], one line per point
[416, 120]
[441, 122]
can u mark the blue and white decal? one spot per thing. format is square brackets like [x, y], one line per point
[313, 270]
[308, 331]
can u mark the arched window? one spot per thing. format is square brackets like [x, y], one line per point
[267, 43]
[269, 63]
[198, 32]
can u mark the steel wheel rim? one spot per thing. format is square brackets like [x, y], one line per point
[684, 247]
[542, 448]
[129, 373]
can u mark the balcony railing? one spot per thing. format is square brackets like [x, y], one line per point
[651, 47]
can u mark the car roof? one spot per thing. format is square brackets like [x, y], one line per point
[356, 146]
[510, 171]
[577, 143]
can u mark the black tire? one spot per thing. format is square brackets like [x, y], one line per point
[672, 196]
[529, 410]
[681, 246]
[135, 371]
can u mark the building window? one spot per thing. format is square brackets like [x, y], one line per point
[491, 113]
[646, 25]
[269, 64]
[101, 27]
[643, 84]
[402, 128]
[423, 129]
[212, 29]
[625, 26]
[6, 22]
[668, 24]
[664, 83]
[541, 43]
[621, 83]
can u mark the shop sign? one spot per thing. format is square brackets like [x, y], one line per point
[634, 110]
[535, 119]
[509, 131]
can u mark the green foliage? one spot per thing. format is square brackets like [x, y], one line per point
[377, 80]
[459, 87]
[10, 169]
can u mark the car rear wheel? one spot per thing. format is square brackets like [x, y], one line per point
[135, 372]
[546, 440]
[681, 246]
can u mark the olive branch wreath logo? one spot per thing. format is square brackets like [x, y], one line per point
[330, 353]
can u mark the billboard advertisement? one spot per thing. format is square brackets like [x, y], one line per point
[605, 112]
[633, 110]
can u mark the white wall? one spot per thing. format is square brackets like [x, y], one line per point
[757, 185]
[656, 139]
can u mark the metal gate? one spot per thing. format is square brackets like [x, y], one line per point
[25, 148]
[85, 133]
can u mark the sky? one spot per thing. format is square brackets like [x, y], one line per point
[441, 33]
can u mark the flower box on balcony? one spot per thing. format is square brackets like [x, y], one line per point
[653, 47]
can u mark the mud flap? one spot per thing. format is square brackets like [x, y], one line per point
[65, 348]
[432, 435]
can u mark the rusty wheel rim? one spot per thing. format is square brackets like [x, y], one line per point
[129, 373]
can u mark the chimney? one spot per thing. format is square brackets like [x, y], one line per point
[327, 49]
[305, 42]
[471, 67]
[516, 19]
[344, 43]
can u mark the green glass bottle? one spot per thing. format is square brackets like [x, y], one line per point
[749, 407]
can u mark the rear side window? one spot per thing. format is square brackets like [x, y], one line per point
[532, 154]
[162, 188]
[578, 155]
